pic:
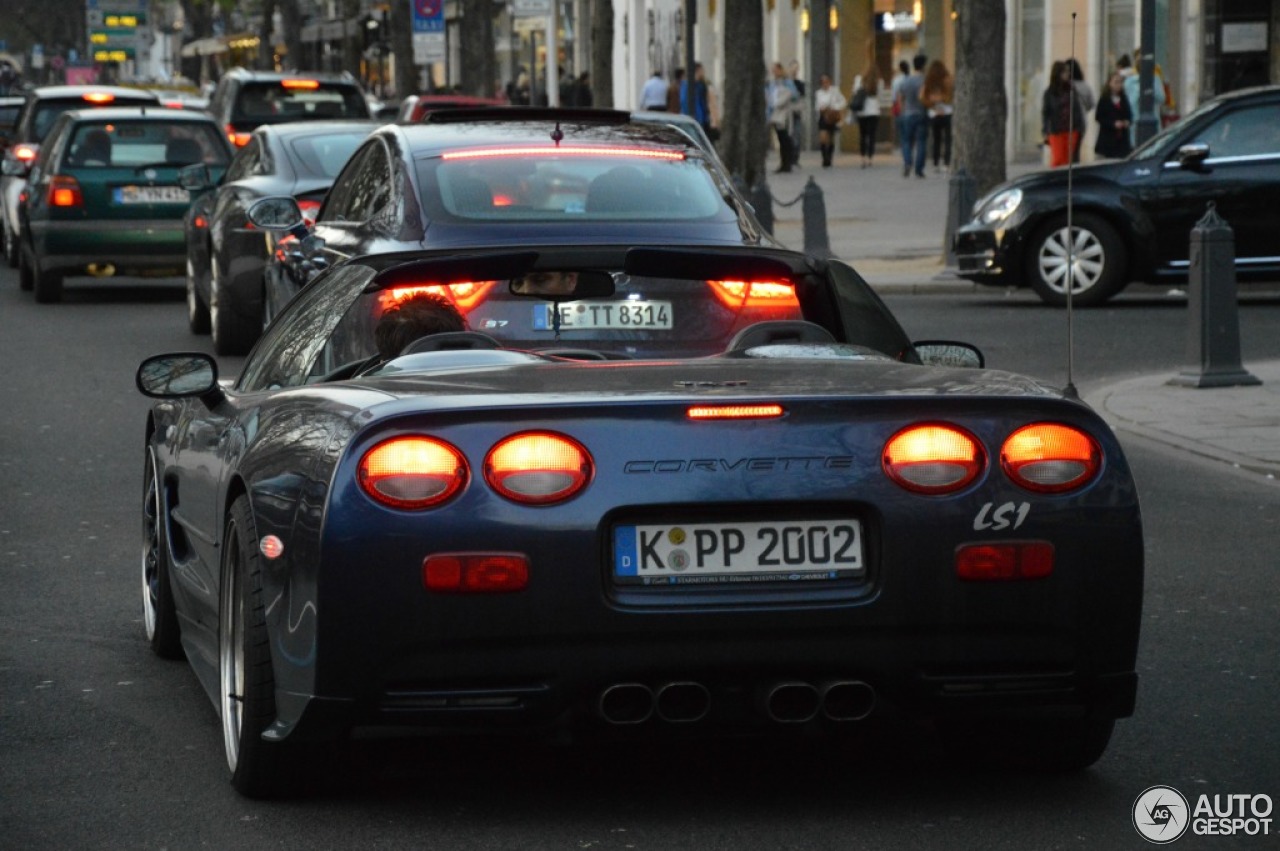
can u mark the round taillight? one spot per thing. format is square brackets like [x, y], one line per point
[412, 472]
[1050, 457]
[933, 458]
[538, 467]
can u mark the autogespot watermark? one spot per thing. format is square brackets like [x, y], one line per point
[1162, 814]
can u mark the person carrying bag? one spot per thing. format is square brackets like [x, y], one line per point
[830, 104]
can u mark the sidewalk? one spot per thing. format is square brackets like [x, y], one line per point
[891, 229]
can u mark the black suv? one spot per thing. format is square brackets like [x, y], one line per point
[245, 99]
[40, 109]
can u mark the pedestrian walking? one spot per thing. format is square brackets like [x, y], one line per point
[675, 91]
[937, 95]
[653, 96]
[1084, 94]
[1114, 119]
[1061, 117]
[780, 97]
[701, 100]
[913, 119]
[797, 110]
[830, 104]
[865, 106]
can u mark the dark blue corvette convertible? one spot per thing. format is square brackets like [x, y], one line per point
[705, 519]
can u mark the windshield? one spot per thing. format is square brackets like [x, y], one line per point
[570, 183]
[324, 155]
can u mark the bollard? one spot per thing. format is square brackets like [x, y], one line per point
[962, 188]
[814, 209]
[762, 200]
[1213, 312]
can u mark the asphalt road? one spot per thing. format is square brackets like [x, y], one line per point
[104, 746]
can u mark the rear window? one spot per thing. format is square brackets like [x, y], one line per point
[290, 100]
[325, 155]
[128, 144]
[557, 184]
[47, 111]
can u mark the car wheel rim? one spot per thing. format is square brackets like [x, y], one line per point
[1084, 259]
[231, 651]
[151, 551]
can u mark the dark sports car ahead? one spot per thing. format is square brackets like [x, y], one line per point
[226, 291]
[796, 528]
[1132, 218]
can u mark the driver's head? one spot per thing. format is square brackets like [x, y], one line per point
[417, 316]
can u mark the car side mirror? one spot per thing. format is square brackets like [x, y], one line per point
[176, 376]
[1192, 156]
[195, 177]
[949, 353]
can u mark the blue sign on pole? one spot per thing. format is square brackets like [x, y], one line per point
[428, 16]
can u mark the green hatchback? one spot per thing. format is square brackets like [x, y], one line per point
[103, 198]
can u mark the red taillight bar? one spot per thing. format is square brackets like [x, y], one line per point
[563, 151]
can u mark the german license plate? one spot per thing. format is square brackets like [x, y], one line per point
[151, 195]
[720, 553]
[613, 315]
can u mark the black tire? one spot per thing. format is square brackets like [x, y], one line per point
[26, 278]
[1054, 746]
[247, 703]
[1098, 257]
[197, 310]
[47, 285]
[233, 333]
[160, 615]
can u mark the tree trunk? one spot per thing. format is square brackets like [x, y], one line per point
[476, 45]
[981, 110]
[291, 23]
[602, 53]
[742, 121]
[402, 46]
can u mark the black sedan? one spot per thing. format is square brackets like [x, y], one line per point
[226, 291]
[1132, 218]
[521, 176]
[795, 526]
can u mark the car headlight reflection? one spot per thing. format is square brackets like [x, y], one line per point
[1000, 206]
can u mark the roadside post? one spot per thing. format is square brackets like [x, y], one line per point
[814, 209]
[962, 187]
[1213, 338]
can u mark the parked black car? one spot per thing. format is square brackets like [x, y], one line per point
[225, 253]
[1132, 218]
[244, 100]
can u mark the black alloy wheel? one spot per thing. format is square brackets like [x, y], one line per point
[159, 612]
[197, 310]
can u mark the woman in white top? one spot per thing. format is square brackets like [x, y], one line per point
[868, 112]
[830, 105]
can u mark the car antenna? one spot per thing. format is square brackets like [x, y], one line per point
[1070, 390]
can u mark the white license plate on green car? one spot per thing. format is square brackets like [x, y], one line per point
[151, 195]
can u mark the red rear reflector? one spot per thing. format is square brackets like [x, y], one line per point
[412, 472]
[98, 97]
[199, 222]
[734, 412]
[538, 467]
[25, 153]
[1015, 560]
[271, 547]
[933, 459]
[300, 84]
[475, 573]
[173, 104]
[65, 192]
[563, 151]
[1050, 457]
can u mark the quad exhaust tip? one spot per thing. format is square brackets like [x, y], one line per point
[847, 700]
[792, 702]
[626, 703]
[683, 702]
